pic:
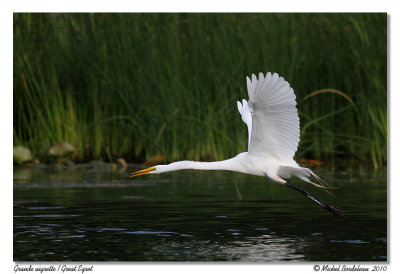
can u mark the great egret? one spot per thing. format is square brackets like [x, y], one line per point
[274, 133]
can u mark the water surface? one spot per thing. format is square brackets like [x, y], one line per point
[94, 213]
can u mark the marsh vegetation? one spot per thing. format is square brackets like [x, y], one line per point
[139, 85]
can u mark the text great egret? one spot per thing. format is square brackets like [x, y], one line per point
[274, 133]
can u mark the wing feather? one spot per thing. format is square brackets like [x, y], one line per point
[246, 116]
[275, 124]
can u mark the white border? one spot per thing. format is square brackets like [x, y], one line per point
[7, 8]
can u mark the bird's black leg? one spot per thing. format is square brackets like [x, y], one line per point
[331, 209]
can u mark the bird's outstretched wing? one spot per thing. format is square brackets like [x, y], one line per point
[246, 116]
[275, 125]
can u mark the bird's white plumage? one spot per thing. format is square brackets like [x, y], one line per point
[271, 117]
[246, 116]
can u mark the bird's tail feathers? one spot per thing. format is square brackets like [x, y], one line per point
[304, 174]
[320, 183]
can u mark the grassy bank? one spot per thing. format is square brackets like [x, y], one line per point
[136, 85]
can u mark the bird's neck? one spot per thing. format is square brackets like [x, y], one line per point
[218, 165]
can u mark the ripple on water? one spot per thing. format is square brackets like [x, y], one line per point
[110, 218]
[150, 232]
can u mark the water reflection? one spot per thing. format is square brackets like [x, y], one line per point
[264, 248]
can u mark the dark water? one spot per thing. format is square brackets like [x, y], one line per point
[94, 213]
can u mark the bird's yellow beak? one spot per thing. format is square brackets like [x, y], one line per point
[142, 172]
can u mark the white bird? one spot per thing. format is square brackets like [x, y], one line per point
[274, 133]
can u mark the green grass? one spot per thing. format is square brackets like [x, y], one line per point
[136, 85]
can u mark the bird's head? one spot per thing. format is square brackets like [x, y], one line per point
[150, 170]
[154, 170]
[163, 168]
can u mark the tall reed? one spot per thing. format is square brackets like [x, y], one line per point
[136, 85]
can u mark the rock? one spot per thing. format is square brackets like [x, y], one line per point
[66, 162]
[61, 149]
[97, 164]
[21, 155]
[113, 166]
[155, 160]
[121, 161]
